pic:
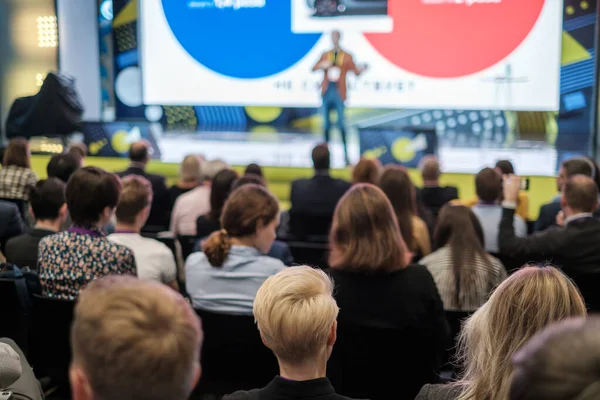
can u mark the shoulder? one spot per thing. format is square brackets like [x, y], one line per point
[435, 257]
[442, 392]
[418, 222]
[155, 177]
[273, 264]
[243, 395]
[8, 207]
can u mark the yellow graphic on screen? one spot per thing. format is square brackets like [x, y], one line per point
[405, 149]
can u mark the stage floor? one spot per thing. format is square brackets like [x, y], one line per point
[458, 155]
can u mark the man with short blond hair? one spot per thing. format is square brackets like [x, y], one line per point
[154, 260]
[296, 315]
[133, 339]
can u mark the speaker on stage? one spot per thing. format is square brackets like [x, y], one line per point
[55, 110]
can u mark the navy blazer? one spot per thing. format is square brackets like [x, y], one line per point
[159, 212]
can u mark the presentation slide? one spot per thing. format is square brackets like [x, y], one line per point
[471, 54]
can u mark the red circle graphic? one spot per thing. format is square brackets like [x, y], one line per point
[456, 37]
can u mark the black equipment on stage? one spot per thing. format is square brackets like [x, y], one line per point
[55, 110]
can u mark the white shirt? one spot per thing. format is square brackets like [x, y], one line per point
[489, 216]
[188, 207]
[153, 259]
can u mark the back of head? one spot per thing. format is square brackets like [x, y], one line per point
[47, 198]
[366, 171]
[136, 195]
[560, 363]
[79, 149]
[578, 166]
[221, 188]
[134, 339]
[191, 169]
[17, 153]
[321, 157]
[210, 169]
[459, 229]
[249, 179]
[253, 169]
[62, 166]
[139, 151]
[295, 312]
[364, 234]
[523, 305]
[399, 189]
[488, 185]
[430, 168]
[247, 209]
[581, 194]
[505, 166]
[89, 191]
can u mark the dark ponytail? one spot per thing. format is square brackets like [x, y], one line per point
[217, 247]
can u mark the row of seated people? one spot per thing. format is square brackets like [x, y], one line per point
[137, 339]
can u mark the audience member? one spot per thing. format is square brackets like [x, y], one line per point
[315, 198]
[62, 166]
[17, 179]
[488, 185]
[190, 177]
[249, 179]
[154, 260]
[366, 171]
[80, 151]
[16, 375]
[225, 277]
[523, 305]
[135, 340]
[377, 288]
[219, 192]
[463, 272]
[49, 208]
[397, 186]
[575, 248]
[69, 260]
[433, 195]
[505, 168]
[560, 363]
[296, 315]
[569, 168]
[254, 169]
[11, 222]
[196, 202]
[140, 154]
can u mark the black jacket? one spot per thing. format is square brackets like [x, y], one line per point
[434, 198]
[159, 213]
[11, 223]
[547, 216]
[281, 389]
[392, 333]
[574, 248]
[23, 250]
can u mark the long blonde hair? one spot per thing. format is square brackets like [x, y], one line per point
[520, 307]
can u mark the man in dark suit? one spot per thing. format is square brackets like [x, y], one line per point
[432, 195]
[575, 247]
[548, 212]
[49, 208]
[139, 154]
[314, 200]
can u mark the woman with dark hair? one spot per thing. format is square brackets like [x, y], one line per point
[366, 171]
[376, 288]
[254, 169]
[220, 189]
[16, 177]
[225, 277]
[463, 272]
[69, 260]
[401, 192]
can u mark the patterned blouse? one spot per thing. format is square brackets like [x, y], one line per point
[16, 182]
[69, 260]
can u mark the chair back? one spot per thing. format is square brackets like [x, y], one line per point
[372, 362]
[187, 244]
[15, 322]
[50, 337]
[21, 204]
[455, 321]
[310, 253]
[302, 226]
[233, 355]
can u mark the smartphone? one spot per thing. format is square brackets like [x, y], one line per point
[525, 184]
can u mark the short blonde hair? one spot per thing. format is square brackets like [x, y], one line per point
[295, 311]
[523, 305]
[135, 339]
[191, 168]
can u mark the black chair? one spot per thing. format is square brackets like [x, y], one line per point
[50, 337]
[187, 244]
[233, 355]
[310, 253]
[455, 321]
[303, 226]
[589, 286]
[15, 320]
[378, 362]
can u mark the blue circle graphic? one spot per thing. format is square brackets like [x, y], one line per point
[244, 42]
